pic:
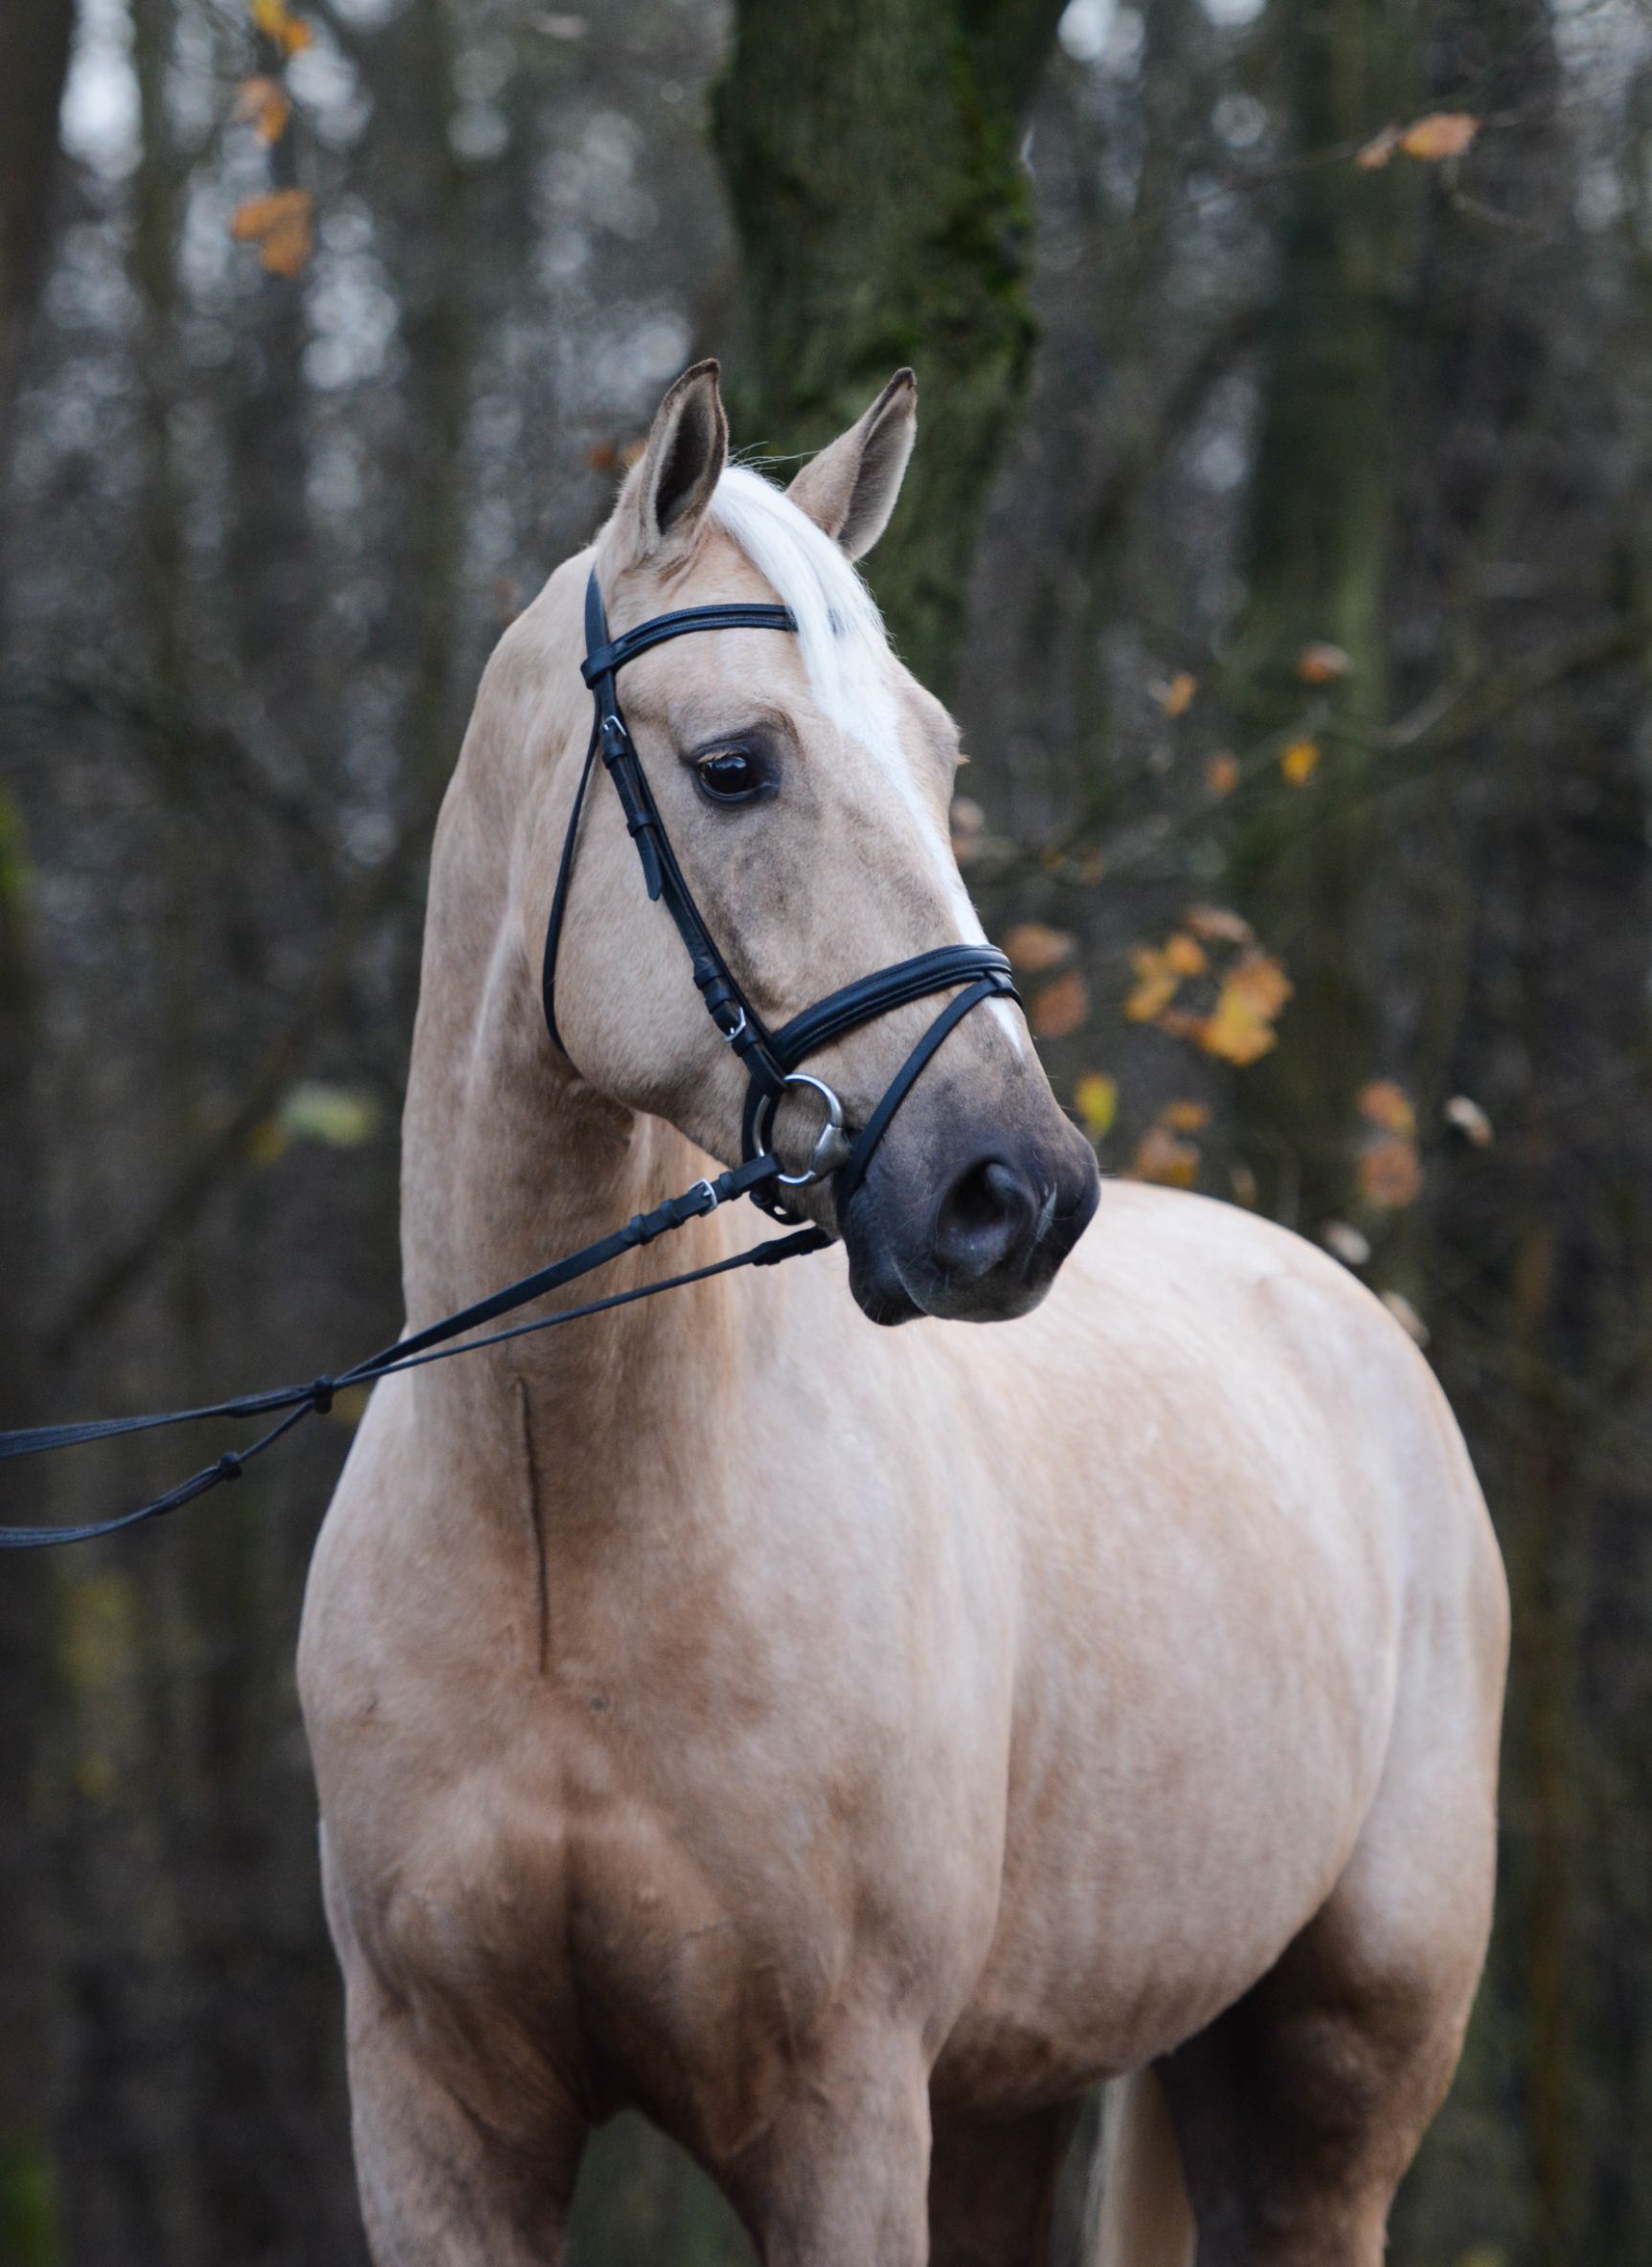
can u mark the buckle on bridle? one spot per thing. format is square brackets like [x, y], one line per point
[832, 1145]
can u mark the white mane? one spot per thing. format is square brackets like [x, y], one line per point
[844, 643]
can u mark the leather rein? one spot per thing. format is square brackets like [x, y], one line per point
[771, 1059]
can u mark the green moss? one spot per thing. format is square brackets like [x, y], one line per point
[885, 220]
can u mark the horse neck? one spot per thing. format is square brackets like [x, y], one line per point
[508, 1161]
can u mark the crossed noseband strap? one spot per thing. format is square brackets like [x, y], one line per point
[773, 1059]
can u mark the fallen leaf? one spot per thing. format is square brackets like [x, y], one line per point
[1377, 151]
[1344, 1240]
[280, 225]
[1156, 984]
[1388, 1107]
[1095, 1099]
[1470, 1121]
[1240, 1028]
[968, 826]
[262, 103]
[1222, 773]
[277, 23]
[1322, 665]
[1033, 947]
[1218, 925]
[1406, 1316]
[1058, 1009]
[1186, 955]
[340, 1117]
[1441, 134]
[1300, 762]
[1177, 697]
[1185, 1118]
[1390, 1172]
[1163, 1157]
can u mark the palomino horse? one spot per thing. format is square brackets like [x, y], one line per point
[849, 1745]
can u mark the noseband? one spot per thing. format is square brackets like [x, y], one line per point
[771, 1058]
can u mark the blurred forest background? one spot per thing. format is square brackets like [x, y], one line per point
[1278, 530]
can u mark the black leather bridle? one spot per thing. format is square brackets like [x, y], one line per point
[771, 1058]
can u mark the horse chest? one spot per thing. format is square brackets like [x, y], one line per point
[684, 1938]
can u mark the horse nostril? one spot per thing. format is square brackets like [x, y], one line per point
[988, 1212]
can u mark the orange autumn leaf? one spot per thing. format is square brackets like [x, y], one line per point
[1390, 1172]
[280, 226]
[1240, 1028]
[1185, 1118]
[277, 23]
[1185, 955]
[1222, 773]
[1388, 1107]
[1033, 947]
[262, 105]
[1156, 984]
[1441, 134]
[1060, 1009]
[1095, 1099]
[1177, 697]
[1321, 664]
[1300, 762]
[1163, 1157]
[1377, 151]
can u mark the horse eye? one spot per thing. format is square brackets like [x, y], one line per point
[729, 775]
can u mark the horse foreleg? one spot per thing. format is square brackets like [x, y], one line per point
[440, 2186]
[838, 2176]
[993, 2187]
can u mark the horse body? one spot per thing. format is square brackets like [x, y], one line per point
[849, 1745]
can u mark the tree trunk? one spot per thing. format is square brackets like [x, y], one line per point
[1317, 557]
[872, 148]
[36, 58]
[37, 36]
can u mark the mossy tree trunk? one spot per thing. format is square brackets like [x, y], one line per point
[873, 152]
[37, 56]
[1317, 558]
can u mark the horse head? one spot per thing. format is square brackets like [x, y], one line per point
[803, 784]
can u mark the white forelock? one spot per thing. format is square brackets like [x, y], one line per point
[845, 654]
[844, 645]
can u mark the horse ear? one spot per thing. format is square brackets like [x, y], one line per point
[850, 489]
[668, 489]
